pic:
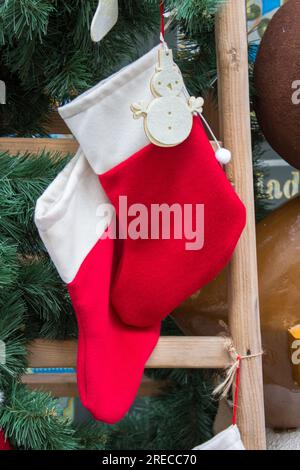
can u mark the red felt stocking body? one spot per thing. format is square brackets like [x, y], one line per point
[156, 275]
[111, 355]
[4, 444]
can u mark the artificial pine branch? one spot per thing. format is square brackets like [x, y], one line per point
[63, 328]
[23, 179]
[92, 435]
[8, 264]
[31, 421]
[12, 321]
[179, 419]
[197, 16]
[25, 19]
[26, 266]
[42, 289]
[53, 59]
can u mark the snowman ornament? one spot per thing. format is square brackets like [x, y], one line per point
[168, 119]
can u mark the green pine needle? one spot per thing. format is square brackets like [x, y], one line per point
[8, 263]
[13, 353]
[31, 420]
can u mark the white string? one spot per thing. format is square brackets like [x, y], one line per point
[210, 130]
[163, 42]
[204, 120]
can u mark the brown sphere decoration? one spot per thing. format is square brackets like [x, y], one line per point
[276, 72]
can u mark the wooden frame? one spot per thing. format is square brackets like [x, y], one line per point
[26, 145]
[178, 352]
[198, 352]
[234, 112]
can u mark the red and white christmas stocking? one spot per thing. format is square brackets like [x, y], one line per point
[164, 163]
[111, 355]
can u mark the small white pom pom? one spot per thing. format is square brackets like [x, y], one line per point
[223, 156]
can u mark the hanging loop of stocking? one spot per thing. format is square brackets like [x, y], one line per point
[162, 21]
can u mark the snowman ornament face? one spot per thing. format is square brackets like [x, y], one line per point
[168, 118]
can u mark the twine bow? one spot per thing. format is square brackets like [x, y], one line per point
[231, 373]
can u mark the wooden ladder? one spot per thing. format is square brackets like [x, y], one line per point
[244, 321]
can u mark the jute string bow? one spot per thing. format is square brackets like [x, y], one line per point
[231, 373]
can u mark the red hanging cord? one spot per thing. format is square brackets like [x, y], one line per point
[162, 23]
[236, 391]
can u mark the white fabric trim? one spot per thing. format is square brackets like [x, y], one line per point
[230, 439]
[101, 119]
[66, 216]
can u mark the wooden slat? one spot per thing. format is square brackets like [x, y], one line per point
[190, 352]
[56, 125]
[171, 352]
[60, 385]
[46, 353]
[233, 86]
[65, 385]
[23, 145]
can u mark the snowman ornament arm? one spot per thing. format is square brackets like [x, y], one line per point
[139, 109]
[168, 118]
[196, 105]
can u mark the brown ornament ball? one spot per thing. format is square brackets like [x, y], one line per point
[277, 82]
